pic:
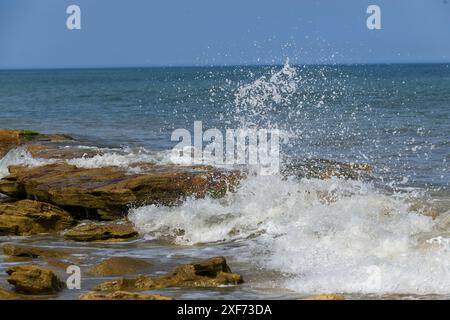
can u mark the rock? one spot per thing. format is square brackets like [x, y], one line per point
[122, 295]
[28, 217]
[55, 151]
[56, 264]
[101, 232]
[23, 251]
[210, 273]
[30, 279]
[10, 139]
[8, 295]
[119, 266]
[325, 169]
[326, 297]
[106, 193]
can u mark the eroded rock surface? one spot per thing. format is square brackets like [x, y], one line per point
[10, 139]
[119, 266]
[28, 217]
[30, 279]
[101, 232]
[23, 251]
[8, 295]
[210, 273]
[107, 192]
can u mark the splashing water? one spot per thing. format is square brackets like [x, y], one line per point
[322, 236]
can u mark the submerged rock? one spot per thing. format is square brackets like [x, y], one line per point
[28, 217]
[106, 193]
[119, 266]
[122, 295]
[101, 232]
[333, 296]
[23, 251]
[325, 169]
[30, 279]
[210, 273]
[10, 139]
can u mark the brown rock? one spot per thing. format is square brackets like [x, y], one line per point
[325, 169]
[210, 273]
[55, 151]
[119, 266]
[101, 232]
[30, 279]
[326, 297]
[10, 139]
[16, 250]
[8, 295]
[122, 295]
[27, 217]
[107, 192]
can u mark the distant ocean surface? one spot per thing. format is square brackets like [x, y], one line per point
[393, 117]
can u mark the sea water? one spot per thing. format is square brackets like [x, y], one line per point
[288, 236]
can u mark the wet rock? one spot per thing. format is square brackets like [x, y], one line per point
[23, 251]
[30, 279]
[106, 193]
[8, 295]
[210, 273]
[326, 297]
[28, 217]
[57, 264]
[101, 232]
[10, 139]
[119, 266]
[56, 151]
[122, 295]
[326, 169]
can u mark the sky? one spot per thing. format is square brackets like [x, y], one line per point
[122, 33]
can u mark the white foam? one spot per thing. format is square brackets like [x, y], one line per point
[113, 159]
[19, 156]
[326, 236]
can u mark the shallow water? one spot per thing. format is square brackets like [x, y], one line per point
[288, 237]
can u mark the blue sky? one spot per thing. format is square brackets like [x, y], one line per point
[33, 33]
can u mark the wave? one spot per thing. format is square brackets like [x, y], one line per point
[323, 235]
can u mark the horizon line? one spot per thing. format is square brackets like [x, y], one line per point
[217, 66]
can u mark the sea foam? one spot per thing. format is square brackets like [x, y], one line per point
[324, 236]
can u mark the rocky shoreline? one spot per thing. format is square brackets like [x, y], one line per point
[89, 205]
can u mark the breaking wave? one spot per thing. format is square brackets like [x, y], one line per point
[323, 235]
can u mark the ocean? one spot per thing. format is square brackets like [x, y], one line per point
[375, 238]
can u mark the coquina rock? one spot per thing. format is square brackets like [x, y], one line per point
[106, 193]
[101, 232]
[210, 273]
[122, 295]
[30, 279]
[10, 139]
[28, 217]
[120, 266]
